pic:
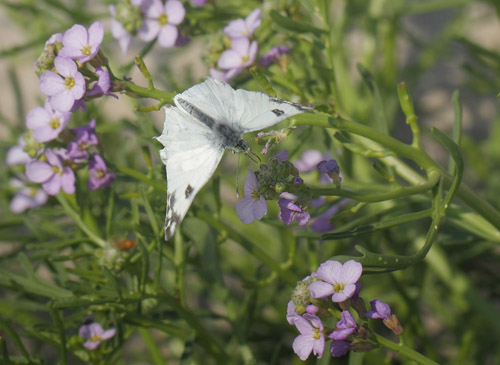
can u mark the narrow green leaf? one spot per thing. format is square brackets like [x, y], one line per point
[15, 339]
[56, 317]
[294, 26]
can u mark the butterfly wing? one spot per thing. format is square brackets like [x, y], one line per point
[245, 111]
[191, 154]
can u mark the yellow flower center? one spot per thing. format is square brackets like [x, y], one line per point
[163, 19]
[32, 191]
[54, 123]
[316, 334]
[57, 170]
[338, 287]
[69, 82]
[244, 59]
[255, 195]
[95, 338]
[86, 50]
[100, 174]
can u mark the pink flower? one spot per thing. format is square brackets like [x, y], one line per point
[311, 338]
[308, 161]
[64, 87]
[26, 197]
[290, 211]
[46, 123]
[51, 173]
[253, 206]
[95, 334]
[241, 54]
[243, 27]
[99, 175]
[336, 279]
[161, 20]
[80, 44]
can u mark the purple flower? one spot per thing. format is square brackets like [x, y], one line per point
[54, 38]
[331, 169]
[336, 279]
[80, 44]
[308, 161]
[16, 154]
[46, 123]
[224, 76]
[291, 314]
[102, 85]
[63, 87]
[95, 334]
[51, 173]
[241, 54]
[273, 54]
[345, 327]
[339, 348]
[380, 310]
[26, 197]
[290, 211]
[253, 206]
[123, 37]
[282, 156]
[85, 137]
[243, 28]
[199, 2]
[311, 338]
[161, 20]
[100, 177]
[312, 309]
[322, 222]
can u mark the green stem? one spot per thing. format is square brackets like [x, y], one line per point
[404, 350]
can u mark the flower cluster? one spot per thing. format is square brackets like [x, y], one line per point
[279, 180]
[149, 20]
[50, 152]
[313, 304]
[94, 334]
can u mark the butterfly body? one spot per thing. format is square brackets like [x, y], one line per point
[206, 119]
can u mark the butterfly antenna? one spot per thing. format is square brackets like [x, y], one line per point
[254, 157]
[237, 180]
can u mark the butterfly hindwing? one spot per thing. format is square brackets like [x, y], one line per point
[191, 155]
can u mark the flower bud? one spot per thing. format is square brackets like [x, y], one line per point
[129, 16]
[280, 187]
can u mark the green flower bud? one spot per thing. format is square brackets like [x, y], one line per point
[280, 187]
[129, 16]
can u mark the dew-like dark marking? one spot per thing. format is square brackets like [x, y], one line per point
[278, 112]
[189, 191]
[196, 113]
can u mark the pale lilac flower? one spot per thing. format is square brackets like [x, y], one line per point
[84, 138]
[224, 76]
[336, 279]
[161, 20]
[26, 197]
[345, 327]
[312, 309]
[80, 44]
[380, 310]
[311, 338]
[308, 161]
[243, 28]
[253, 206]
[46, 123]
[54, 38]
[290, 211]
[123, 37]
[16, 154]
[291, 314]
[241, 54]
[95, 334]
[199, 2]
[273, 55]
[63, 87]
[339, 348]
[282, 156]
[322, 222]
[100, 177]
[102, 85]
[51, 173]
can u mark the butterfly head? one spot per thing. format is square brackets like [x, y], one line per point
[241, 146]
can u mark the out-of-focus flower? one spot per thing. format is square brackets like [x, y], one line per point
[85, 137]
[336, 279]
[290, 211]
[273, 54]
[46, 123]
[64, 87]
[311, 338]
[224, 76]
[312, 309]
[241, 54]
[26, 197]
[243, 28]
[322, 222]
[345, 327]
[199, 2]
[99, 175]
[291, 314]
[282, 156]
[16, 154]
[125, 21]
[161, 20]
[82, 44]
[308, 161]
[123, 37]
[339, 348]
[95, 334]
[52, 174]
[253, 206]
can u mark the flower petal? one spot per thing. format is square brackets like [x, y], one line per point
[96, 34]
[259, 208]
[149, 30]
[75, 37]
[65, 66]
[229, 59]
[68, 181]
[320, 289]
[37, 117]
[38, 171]
[351, 272]
[244, 210]
[63, 101]
[108, 334]
[51, 83]
[175, 12]
[302, 346]
[329, 271]
[53, 185]
[167, 36]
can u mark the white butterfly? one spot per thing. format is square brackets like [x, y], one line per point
[208, 118]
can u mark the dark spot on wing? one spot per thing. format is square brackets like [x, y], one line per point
[172, 220]
[278, 112]
[300, 107]
[189, 191]
[196, 113]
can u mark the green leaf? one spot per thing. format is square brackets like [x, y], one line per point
[294, 26]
